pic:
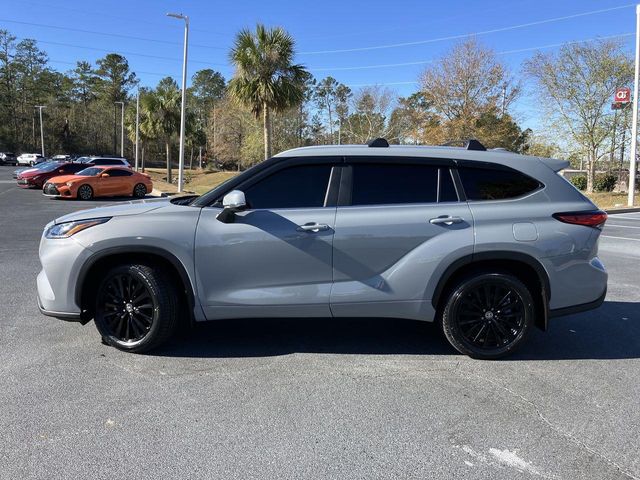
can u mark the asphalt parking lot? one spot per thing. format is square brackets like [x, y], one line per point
[313, 398]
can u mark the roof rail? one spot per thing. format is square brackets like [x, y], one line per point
[473, 144]
[378, 142]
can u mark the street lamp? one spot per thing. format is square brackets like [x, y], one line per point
[121, 129]
[40, 107]
[184, 96]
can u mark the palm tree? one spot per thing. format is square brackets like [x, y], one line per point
[161, 115]
[266, 80]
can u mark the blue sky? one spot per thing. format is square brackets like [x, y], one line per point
[71, 30]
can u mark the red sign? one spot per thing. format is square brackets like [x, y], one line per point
[623, 95]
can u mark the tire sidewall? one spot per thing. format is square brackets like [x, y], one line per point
[101, 325]
[135, 188]
[452, 330]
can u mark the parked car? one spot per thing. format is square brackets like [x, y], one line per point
[115, 161]
[41, 164]
[37, 177]
[8, 158]
[61, 158]
[30, 159]
[488, 244]
[96, 181]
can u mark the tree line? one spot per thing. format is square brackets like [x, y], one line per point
[272, 104]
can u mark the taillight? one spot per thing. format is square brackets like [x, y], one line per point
[593, 218]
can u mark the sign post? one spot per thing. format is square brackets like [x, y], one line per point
[634, 121]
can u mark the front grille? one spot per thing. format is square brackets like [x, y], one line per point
[50, 189]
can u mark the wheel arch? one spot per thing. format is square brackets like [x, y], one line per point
[525, 267]
[89, 276]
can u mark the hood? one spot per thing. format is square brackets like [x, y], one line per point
[134, 207]
[65, 178]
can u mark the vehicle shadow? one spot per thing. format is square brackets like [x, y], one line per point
[610, 332]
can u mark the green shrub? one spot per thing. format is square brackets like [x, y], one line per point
[579, 181]
[604, 183]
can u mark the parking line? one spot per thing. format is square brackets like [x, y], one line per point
[613, 216]
[621, 238]
[621, 226]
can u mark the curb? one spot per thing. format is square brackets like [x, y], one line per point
[613, 211]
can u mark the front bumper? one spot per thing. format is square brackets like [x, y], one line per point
[61, 261]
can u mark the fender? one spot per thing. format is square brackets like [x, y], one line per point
[499, 255]
[125, 249]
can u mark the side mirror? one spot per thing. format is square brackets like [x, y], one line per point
[232, 202]
[104, 175]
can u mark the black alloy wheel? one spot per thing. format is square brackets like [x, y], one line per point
[85, 192]
[488, 315]
[136, 308]
[139, 191]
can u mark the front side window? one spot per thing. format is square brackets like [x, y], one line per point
[303, 186]
[494, 184]
[384, 184]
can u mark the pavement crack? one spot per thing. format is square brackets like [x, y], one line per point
[569, 436]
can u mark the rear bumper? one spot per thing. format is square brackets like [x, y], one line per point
[561, 312]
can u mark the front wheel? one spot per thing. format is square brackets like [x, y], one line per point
[85, 192]
[136, 308]
[488, 316]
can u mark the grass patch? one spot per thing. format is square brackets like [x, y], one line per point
[610, 200]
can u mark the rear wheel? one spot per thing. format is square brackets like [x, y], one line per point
[85, 192]
[136, 308]
[488, 315]
[139, 191]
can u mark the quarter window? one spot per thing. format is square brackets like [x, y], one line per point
[493, 184]
[384, 184]
[303, 186]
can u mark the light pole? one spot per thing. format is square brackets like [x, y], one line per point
[40, 107]
[137, 126]
[121, 128]
[634, 121]
[184, 96]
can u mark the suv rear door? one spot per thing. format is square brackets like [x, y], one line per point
[269, 262]
[398, 222]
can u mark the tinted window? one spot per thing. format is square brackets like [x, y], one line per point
[90, 172]
[119, 173]
[489, 184]
[294, 187]
[378, 184]
[73, 167]
[447, 191]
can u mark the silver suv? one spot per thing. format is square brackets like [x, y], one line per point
[488, 244]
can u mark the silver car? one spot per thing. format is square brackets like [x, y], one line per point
[487, 243]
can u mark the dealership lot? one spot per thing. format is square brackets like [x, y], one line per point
[313, 398]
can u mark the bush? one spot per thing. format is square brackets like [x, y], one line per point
[579, 181]
[604, 183]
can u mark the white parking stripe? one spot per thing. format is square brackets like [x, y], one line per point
[614, 216]
[620, 238]
[621, 226]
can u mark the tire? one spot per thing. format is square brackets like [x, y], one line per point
[31, 164]
[85, 192]
[143, 322]
[139, 191]
[488, 315]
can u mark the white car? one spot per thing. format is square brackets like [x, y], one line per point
[29, 158]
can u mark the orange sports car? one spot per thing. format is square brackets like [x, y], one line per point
[99, 182]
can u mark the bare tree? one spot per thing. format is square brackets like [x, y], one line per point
[371, 108]
[466, 84]
[576, 86]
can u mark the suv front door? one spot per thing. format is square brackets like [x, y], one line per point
[395, 227]
[271, 261]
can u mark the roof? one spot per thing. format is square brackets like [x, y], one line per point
[499, 156]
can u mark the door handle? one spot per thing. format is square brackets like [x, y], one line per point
[446, 220]
[313, 227]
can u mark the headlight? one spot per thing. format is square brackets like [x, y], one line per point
[66, 229]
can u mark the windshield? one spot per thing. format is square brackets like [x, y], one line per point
[90, 172]
[48, 167]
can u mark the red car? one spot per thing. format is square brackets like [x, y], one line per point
[37, 177]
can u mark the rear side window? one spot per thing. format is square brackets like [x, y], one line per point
[384, 184]
[303, 186]
[120, 173]
[494, 184]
